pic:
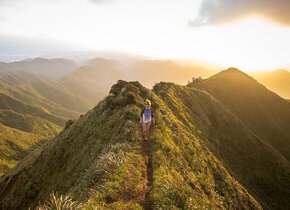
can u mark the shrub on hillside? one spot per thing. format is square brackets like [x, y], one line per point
[59, 202]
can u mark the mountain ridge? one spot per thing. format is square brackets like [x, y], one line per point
[106, 135]
[251, 102]
[215, 145]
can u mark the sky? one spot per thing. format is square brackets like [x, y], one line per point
[252, 35]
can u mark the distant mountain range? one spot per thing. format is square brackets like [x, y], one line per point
[52, 68]
[218, 143]
[39, 95]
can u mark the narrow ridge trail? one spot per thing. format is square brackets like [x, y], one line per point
[146, 151]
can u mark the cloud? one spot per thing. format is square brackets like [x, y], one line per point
[224, 11]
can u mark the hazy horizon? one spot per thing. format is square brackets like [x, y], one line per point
[249, 35]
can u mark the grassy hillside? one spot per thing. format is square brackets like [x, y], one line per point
[249, 158]
[261, 110]
[102, 164]
[58, 93]
[14, 146]
[28, 123]
[32, 103]
[9, 103]
[29, 94]
[25, 125]
[277, 81]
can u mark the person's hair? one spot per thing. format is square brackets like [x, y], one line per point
[148, 102]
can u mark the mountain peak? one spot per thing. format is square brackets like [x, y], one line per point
[231, 72]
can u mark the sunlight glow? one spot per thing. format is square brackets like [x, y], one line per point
[154, 28]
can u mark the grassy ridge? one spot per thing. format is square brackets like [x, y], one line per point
[208, 150]
[261, 110]
[101, 163]
[187, 175]
[249, 158]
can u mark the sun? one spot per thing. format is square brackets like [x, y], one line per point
[252, 44]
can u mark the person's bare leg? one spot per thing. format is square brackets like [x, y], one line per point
[144, 130]
[147, 129]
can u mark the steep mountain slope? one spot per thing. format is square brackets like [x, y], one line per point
[99, 161]
[34, 82]
[277, 81]
[14, 146]
[25, 125]
[28, 123]
[50, 95]
[38, 107]
[256, 165]
[58, 93]
[261, 110]
[9, 103]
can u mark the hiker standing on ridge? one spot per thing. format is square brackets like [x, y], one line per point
[146, 119]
